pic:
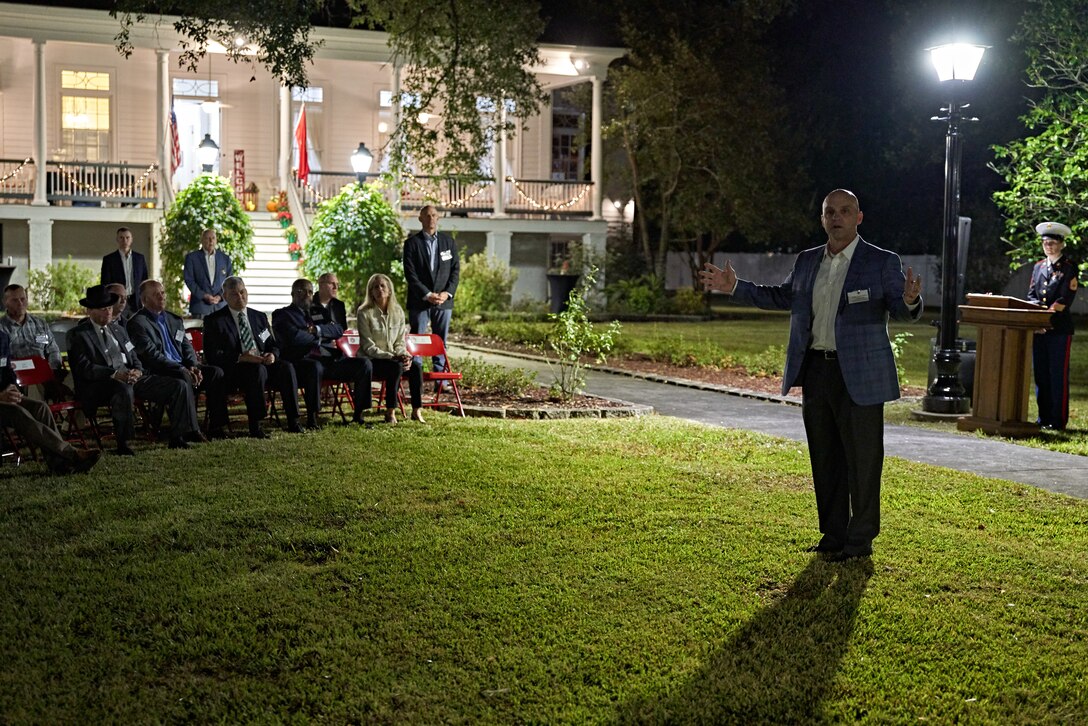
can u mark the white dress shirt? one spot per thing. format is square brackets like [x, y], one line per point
[826, 294]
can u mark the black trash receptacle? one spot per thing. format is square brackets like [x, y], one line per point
[966, 349]
[559, 290]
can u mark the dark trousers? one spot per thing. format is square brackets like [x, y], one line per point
[355, 371]
[33, 421]
[390, 371]
[1050, 362]
[439, 321]
[174, 395]
[846, 448]
[252, 380]
[213, 384]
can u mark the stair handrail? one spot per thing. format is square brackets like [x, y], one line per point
[298, 215]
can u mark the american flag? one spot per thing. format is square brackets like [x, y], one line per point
[175, 145]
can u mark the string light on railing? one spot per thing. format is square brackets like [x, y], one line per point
[114, 192]
[547, 206]
[430, 195]
[16, 171]
[318, 196]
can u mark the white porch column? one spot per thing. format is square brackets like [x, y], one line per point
[595, 166]
[284, 165]
[41, 244]
[498, 246]
[500, 167]
[39, 131]
[162, 118]
[596, 244]
[396, 135]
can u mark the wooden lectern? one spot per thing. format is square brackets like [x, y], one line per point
[1002, 363]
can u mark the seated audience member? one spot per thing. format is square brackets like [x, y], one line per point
[382, 327]
[311, 348]
[122, 311]
[238, 340]
[328, 307]
[164, 349]
[30, 336]
[107, 370]
[33, 421]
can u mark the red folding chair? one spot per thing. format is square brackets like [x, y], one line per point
[427, 345]
[196, 338]
[36, 371]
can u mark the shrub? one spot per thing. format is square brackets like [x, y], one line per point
[491, 378]
[644, 295]
[687, 301]
[765, 364]
[679, 351]
[899, 341]
[356, 234]
[61, 285]
[485, 285]
[207, 203]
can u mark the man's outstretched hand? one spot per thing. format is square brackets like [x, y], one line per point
[717, 278]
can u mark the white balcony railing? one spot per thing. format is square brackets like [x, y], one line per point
[80, 183]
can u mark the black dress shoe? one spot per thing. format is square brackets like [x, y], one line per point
[178, 443]
[123, 449]
[196, 437]
[257, 433]
[295, 428]
[824, 549]
[85, 460]
[219, 433]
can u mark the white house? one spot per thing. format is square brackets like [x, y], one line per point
[86, 142]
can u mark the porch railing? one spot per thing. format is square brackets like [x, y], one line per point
[523, 197]
[80, 183]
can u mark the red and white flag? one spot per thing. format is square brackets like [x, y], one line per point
[300, 143]
[175, 145]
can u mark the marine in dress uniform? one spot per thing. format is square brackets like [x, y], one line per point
[1053, 285]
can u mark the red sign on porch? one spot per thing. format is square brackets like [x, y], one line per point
[239, 174]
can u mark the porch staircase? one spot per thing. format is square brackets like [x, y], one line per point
[270, 273]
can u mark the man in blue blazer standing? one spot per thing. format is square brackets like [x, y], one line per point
[431, 269]
[840, 295]
[205, 270]
[125, 267]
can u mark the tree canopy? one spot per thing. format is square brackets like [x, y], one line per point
[464, 62]
[1047, 171]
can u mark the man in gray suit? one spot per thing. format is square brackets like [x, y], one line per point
[840, 296]
[205, 270]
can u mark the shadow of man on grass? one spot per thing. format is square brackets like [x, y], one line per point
[778, 667]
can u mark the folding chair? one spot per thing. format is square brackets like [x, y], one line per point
[349, 346]
[36, 371]
[426, 345]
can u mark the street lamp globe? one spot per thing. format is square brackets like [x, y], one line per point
[956, 61]
[207, 152]
[361, 159]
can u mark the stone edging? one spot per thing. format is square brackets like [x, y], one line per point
[685, 382]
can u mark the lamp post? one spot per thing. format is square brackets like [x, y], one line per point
[361, 159]
[207, 152]
[956, 64]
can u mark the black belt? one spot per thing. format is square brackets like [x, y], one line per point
[825, 354]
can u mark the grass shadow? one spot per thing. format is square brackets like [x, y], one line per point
[779, 666]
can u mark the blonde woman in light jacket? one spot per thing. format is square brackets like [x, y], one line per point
[382, 327]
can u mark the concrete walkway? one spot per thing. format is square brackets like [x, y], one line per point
[1056, 472]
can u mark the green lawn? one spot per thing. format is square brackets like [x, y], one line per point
[753, 336]
[480, 571]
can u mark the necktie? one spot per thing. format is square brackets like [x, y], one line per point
[434, 256]
[113, 356]
[245, 335]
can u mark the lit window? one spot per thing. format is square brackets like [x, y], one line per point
[85, 81]
[196, 88]
[85, 115]
[311, 94]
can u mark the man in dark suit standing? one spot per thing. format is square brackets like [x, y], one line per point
[238, 340]
[165, 350]
[327, 306]
[125, 267]
[431, 269]
[205, 270]
[840, 296]
[311, 348]
[106, 369]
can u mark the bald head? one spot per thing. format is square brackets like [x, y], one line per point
[840, 218]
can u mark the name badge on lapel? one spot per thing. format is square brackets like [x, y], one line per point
[857, 296]
[179, 336]
[129, 347]
[446, 255]
[42, 339]
[319, 318]
[264, 335]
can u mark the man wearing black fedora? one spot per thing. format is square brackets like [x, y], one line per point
[107, 371]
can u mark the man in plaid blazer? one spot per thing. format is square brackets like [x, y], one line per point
[840, 295]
